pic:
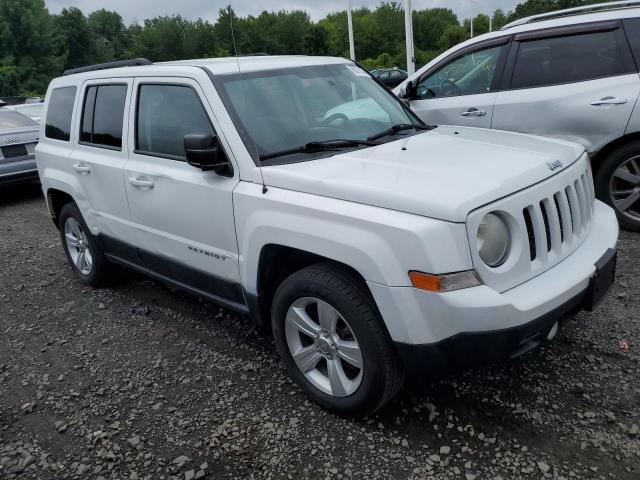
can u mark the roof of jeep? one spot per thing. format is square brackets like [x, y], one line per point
[217, 66]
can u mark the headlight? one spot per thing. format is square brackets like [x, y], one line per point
[494, 240]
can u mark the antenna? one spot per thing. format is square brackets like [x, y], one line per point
[235, 52]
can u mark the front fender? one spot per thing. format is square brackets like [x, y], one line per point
[382, 245]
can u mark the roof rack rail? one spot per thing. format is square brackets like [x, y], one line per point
[257, 54]
[105, 66]
[599, 7]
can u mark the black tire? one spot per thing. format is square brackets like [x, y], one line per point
[382, 374]
[100, 268]
[603, 182]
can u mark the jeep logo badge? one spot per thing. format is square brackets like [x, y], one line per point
[556, 164]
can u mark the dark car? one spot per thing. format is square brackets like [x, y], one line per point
[391, 77]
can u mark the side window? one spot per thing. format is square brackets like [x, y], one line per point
[58, 122]
[102, 115]
[467, 75]
[576, 58]
[165, 114]
[632, 28]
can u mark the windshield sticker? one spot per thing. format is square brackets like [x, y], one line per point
[357, 71]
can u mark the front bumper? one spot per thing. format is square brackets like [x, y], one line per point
[458, 323]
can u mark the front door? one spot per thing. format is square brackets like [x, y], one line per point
[184, 216]
[462, 91]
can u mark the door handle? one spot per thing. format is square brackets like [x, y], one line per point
[473, 112]
[82, 168]
[141, 182]
[609, 101]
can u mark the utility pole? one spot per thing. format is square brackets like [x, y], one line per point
[473, 11]
[352, 48]
[408, 32]
[490, 24]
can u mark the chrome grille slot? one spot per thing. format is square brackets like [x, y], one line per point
[547, 229]
[559, 213]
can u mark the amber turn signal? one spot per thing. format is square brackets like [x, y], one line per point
[444, 283]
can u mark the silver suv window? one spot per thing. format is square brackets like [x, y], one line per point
[568, 59]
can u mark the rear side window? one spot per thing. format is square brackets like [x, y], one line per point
[166, 113]
[568, 59]
[58, 123]
[102, 115]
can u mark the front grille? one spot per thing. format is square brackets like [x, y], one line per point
[559, 218]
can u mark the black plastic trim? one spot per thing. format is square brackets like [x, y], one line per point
[136, 62]
[216, 289]
[467, 349]
[566, 31]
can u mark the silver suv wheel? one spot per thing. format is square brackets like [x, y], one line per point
[324, 347]
[78, 246]
[624, 188]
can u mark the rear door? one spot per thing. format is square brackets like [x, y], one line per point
[184, 216]
[99, 155]
[461, 89]
[577, 83]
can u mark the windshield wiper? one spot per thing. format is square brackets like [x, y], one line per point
[399, 127]
[319, 146]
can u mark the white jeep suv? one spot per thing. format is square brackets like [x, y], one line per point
[571, 74]
[300, 192]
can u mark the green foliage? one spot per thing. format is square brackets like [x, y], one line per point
[36, 46]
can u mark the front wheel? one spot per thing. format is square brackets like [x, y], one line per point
[618, 184]
[331, 337]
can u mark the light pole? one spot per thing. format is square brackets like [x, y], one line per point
[408, 33]
[473, 2]
[352, 48]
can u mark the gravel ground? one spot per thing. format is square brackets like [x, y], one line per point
[94, 386]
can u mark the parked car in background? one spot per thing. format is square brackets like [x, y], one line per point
[31, 110]
[391, 77]
[298, 191]
[570, 74]
[18, 138]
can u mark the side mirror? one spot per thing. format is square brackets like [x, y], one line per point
[411, 90]
[205, 152]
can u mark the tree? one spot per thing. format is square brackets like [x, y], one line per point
[78, 40]
[29, 50]
[110, 34]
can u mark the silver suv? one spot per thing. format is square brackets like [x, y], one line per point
[571, 74]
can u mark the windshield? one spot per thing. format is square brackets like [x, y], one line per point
[280, 110]
[11, 119]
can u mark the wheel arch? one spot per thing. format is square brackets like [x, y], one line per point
[601, 155]
[276, 263]
[56, 199]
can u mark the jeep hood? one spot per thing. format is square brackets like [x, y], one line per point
[444, 173]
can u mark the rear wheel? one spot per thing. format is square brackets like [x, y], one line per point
[331, 338]
[83, 252]
[618, 184]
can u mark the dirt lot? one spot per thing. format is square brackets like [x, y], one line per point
[90, 388]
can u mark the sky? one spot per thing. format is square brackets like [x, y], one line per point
[138, 10]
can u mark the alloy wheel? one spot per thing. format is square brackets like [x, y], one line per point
[78, 246]
[324, 347]
[624, 188]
